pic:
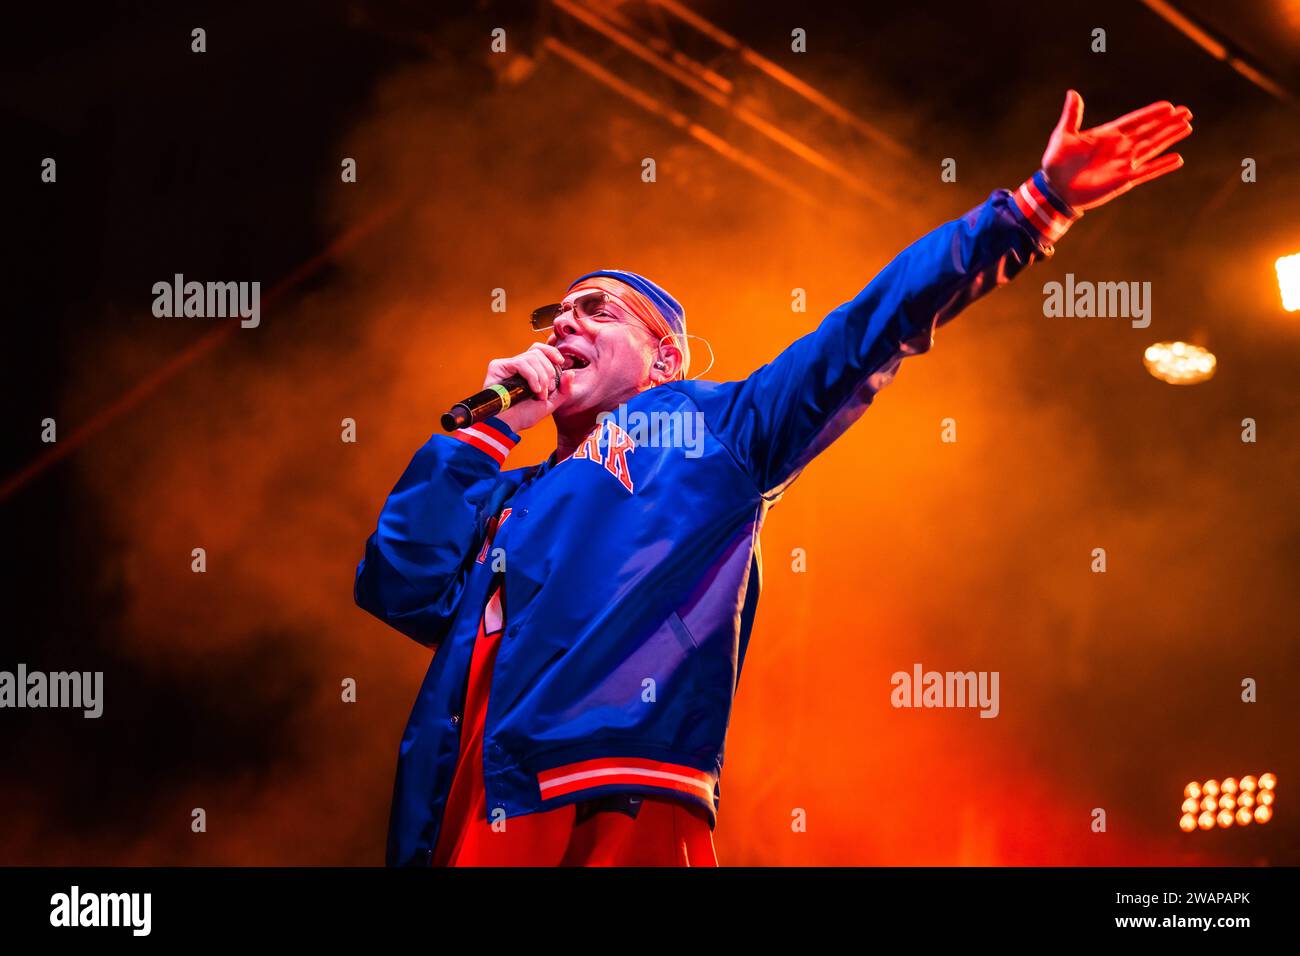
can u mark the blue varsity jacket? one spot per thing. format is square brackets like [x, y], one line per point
[632, 568]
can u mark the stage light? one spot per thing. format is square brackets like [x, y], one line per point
[1288, 281]
[1235, 801]
[1179, 363]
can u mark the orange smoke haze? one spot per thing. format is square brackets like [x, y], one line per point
[1116, 688]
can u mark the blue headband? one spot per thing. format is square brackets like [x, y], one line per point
[667, 306]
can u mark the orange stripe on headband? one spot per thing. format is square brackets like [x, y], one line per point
[640, 307]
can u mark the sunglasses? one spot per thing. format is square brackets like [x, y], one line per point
[590, 305]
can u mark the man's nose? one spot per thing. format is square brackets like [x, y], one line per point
[565, 325]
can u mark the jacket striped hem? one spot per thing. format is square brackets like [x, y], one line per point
[493, 437]
[605, 771]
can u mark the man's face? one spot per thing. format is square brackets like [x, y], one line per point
[618, 350]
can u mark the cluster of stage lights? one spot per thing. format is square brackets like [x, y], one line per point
[1232, 802]
[1181, 363]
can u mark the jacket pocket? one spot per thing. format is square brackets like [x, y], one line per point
[682, 632]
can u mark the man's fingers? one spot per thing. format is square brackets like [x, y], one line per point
[1071, 113]
[526, 368]
[545, 373]
[550, 372]
[1151, 148]
[1137, 117]
[1165, 164]
[552, 358]
[529, 365]
[1178, 118]
[550, 351]
[535, 365]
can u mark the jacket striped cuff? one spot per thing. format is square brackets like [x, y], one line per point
[491, 436]
[606, 771]
[1046, 213]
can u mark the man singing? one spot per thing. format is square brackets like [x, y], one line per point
[590, 614]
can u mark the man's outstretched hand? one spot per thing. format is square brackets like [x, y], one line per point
[1089, 167]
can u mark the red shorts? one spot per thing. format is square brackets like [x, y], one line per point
[624, 830]
[664, 832]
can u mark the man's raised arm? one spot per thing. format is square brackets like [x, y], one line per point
[784, 414]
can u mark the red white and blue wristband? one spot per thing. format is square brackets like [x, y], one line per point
[1045, 211]
[491, 436]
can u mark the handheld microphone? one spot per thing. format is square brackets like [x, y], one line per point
[497, 398]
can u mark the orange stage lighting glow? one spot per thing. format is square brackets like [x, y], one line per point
[1288, 281]
[1179, 363]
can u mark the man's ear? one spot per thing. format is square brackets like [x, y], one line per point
[667, 363]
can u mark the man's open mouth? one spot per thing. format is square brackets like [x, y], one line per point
[575, 361]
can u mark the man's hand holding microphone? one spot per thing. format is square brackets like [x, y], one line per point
[541, 366]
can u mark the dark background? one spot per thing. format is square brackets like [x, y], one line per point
[521, 172]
